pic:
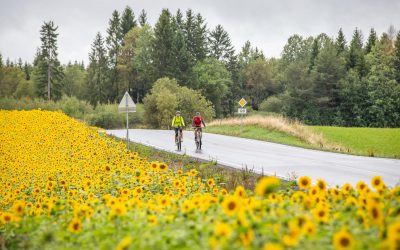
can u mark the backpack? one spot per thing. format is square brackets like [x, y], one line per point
[197, 121]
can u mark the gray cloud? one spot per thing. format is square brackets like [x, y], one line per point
[267, 24]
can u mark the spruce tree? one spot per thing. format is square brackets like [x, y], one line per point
[178, 19]
[163, 57]
[143, 18]
[314, 54]
[355, 57]
[114, 41]
[127, 21]
[1, 61]
[48, 72]
[340, 42]
[220, 46]
[371, 41]
[396, 63]
[27, 71]
[199, 51]
[20, 63]
[98, 81]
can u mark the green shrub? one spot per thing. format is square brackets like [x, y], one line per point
[272, 104]
[107, 116]
[167, 96]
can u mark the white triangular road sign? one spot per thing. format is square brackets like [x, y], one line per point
[127, 104]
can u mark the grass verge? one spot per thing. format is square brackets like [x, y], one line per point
[374, 142]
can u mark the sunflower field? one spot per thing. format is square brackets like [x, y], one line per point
[64, 185]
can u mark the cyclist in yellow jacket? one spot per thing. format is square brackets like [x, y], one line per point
[178, 123]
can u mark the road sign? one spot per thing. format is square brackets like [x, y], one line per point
[127, 104]
[242, 102]
[242, 111]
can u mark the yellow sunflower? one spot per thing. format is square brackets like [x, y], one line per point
[267, 185]
[304, 182]
[343, 240]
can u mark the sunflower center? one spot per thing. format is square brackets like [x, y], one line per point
[344, 242]
[231, 205]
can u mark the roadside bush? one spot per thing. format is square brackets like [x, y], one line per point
[271, 104]
[107, 116]
[74, 107]
[167, 96]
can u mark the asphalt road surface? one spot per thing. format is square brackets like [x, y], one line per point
[272, 158]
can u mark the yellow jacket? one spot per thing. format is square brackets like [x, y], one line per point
[178, 121]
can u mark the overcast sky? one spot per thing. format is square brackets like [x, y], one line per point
[267, 24]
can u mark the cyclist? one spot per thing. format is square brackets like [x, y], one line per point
[177, 124]
[196, 123]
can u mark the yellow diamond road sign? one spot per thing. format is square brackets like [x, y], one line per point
[242, 102]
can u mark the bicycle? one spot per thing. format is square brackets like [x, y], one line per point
[198, 136]
[178, 140]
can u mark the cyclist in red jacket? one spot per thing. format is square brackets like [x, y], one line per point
[196, 123]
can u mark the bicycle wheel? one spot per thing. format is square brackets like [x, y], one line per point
[200, 141]
[179, 142]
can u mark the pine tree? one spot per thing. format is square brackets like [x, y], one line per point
[20, 63]
[48, 72]
[1, 61]
[98, 81]
[199, 51]
[143, 18]
[397, 58]
[371, 41]
[355, 57]
[178, 19]
[340, 42]
[27, 71]
[163, 57]
[128, 20]
[220, 46]
[114, 41]
[314, 54]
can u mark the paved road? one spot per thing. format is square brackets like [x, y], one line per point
[272, 158]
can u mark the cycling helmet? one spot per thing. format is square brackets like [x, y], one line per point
[197, 113]
[178, 112]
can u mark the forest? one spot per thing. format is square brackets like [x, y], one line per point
[318, 80]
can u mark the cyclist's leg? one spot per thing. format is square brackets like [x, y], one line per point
[176, 133]
[180, 130]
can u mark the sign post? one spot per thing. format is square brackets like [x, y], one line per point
[127, 105]
[242, 111]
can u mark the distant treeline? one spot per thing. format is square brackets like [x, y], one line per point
[318, 80]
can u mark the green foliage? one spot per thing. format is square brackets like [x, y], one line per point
[272, 104]
[128, 20]
[113, 43]
[143, 18]
[166, 97]
[13, 83]
[213, 80]
[259, 83]
[98, 78]
[163, 58]
[220, 46]
[74, 81]
[48, 74]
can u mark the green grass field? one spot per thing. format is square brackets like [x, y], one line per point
[258, 133]
[381, 142]
[378, 142]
